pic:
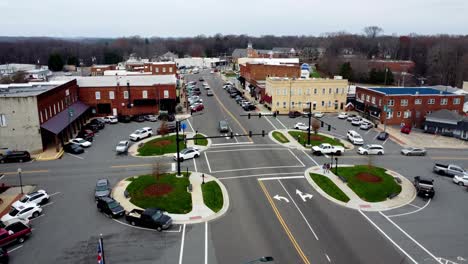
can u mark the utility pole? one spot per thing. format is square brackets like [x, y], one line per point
[177, 148]
[309, 115]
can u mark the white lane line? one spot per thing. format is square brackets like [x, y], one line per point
[207, 162]
[294, 155]
[393, 242]
[55, 193]
[251, 149]
[78, 157]
[281, 123]
[328, 258]
[297, 207]
[191, 127]
[206, 242]
[282, 178]
[310, 158]
[149, 229]
[13, 249]
[415, 205]
[257, 175]
[258, 168]
[47, 204]
[41, 215]
[415, 211]
[235, 144]
[181, 256]
[195, 165]
[412, 239]
[271, 123]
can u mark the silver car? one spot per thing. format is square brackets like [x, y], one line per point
[412, 151]
[122, 147]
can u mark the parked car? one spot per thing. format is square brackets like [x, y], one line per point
[124, 119]
[110, 207]
[12, 221]
[372, 149]
[318, 114]
[249, 107]
[223, 126]
[238, 99]
[164, 116]
[188, 153]
[122, 146]
[209, 93]
[350, 117]
[14, 233]
[98, 122]
[449, 170]
[111, 119]
[4, 257]
[139, 118]
[15, 156]
[461, 180]
[356, 121]
[151, 118]
[73, 148]
[197, 108]
[366, 126]
[102, 189]
[294, 114]
[406, 129]
[150, 217]
[342, 115]
[39, 197]
[81, 142]
[201, 79]
[424, 186]
[412, 151]
[141, 133]
[92, 127]
[301, 126]
[354, 137]
[86, 134]
[383, 136]
[26, 211]
[326, 148]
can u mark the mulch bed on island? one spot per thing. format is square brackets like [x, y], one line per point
[368, 177]
[315, 137]
[162, 143]
[158, 189]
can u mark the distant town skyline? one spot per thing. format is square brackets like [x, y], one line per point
[180, 18]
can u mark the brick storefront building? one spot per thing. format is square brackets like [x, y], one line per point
[160, 68]
[253, 75]
[406, 106]
[98, 70]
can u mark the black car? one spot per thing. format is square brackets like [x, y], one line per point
[92, 127]
[294, 114]
[100, 124]
[166, 117]
[124, 119]
[110, 207]
[382, 136]
[139, 118]
[249, 107]
[201, 80]
[15, 156]
[73, 148]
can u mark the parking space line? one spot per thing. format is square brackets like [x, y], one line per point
[75, 156]
[41, 215]
[328, 258]
[368, 131]
[391, 240]
[181, 256]
[408, 213]
[300, 212]
[13, 249]
[310, 158]
[385, 141]
[1, 177]
[294, 155]
[55, 193]
[207, 162]
[257, 175]
[281, 178]
[412, 239]
[47, 204]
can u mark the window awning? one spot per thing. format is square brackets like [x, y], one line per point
[60, 121]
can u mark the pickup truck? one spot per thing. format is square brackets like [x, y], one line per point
[326, 148]
[449, 170]
[150, 217]
[424, 186]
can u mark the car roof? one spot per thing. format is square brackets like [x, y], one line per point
[102, 181]
[375, 145]
[123, 141]
[147, 128]
[107, 199]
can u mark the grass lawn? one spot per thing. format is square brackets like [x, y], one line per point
[315, 74]
[160, 146]
[230, 75]
[177, 201]
[376, 189]
[201, 142]
[329, 187]
[314, 139]
[280, 137]
[212, 196]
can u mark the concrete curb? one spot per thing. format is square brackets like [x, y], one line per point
[294, 144]
[406, 196]
[57, 156]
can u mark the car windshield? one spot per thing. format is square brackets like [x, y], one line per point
[121, 144]
[24, 199]
[101, 188]
[185, 151]
[80, 140]
[138, 132]
[157, 215]
[13, 212]
[113, 204]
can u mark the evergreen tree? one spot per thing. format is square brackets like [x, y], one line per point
[55, 62]
[346, 71]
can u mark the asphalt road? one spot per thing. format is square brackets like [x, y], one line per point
[290, 229]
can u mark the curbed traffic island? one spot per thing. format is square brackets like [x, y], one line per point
[193, 198]
[293, 138]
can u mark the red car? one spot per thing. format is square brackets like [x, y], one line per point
[16, 232]
[406, 129]
[197, 108]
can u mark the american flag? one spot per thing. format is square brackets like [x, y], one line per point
[100, 258]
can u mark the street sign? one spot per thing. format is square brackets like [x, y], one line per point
[385, 108]
[183, 126]
[70, 112]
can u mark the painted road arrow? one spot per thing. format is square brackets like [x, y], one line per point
[279, 198]
[304, 196]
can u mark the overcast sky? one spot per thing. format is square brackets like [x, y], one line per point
[175, 18]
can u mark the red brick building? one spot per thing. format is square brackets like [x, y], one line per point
[161, 68]
[128, 95]
[98, 70]
[405, 106]
[395, 66]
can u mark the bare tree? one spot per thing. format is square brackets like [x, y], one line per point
[159, 169]
[163, 129]
[372, 31]
[315, 126]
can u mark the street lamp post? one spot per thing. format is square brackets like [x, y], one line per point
[309, 115]
[20, 179]
[336, 166]
[177, 148]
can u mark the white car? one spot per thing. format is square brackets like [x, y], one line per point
[366, 126]
[318, 114]
[354, 137]
[356, 121]
[301, 126]
[141, 133]
[460, 180]
[39, 197]
[151, 118]
[371, 150]
[27, 211]
[122, 147]
[81, 142]
[326, 148]
[342, 115]
[111, 119]
[188, 153]
[211, 72]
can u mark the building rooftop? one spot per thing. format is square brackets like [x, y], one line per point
[111, 81]
[160, 62]
[408, 90]
[28, 89]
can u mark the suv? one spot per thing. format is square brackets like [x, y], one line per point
[141, 133]
[16, 232]
[372, 149]
[354, 137]
[424, 186]
[223, 126]
[15, 156]
[39, 197]
[109, 207]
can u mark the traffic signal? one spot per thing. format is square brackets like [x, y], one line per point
[321, 123]
[232, 134]
[250, 133]
[263, 133]
[248, 115]
[329, 127]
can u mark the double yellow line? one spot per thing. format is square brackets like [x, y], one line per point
[283, 223]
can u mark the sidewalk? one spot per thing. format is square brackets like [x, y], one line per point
[49, 154]
[200, 212]
[406, 196]
[12, 195]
